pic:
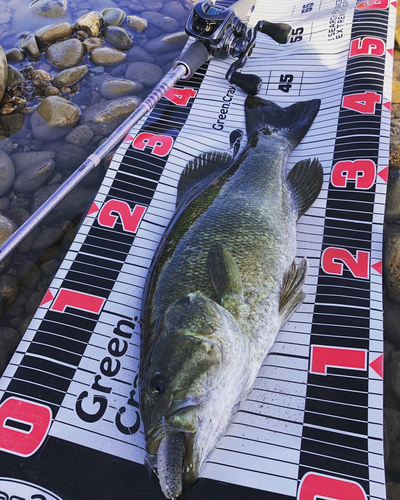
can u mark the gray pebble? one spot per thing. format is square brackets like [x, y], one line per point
[47, 237]
[176, 10]
[20, 203]
[54, 32]
[14, 76]
[146, 73]
[25, 160]
[114, 88]
[71, 76]
[33, 177]
[29, 45]
[8, 289]
[18, 215]
[113, 17]
[66, 54]
[16, 124]
[91, 22]
[137, 23]
[53, 118]
[15, 55]
[118, 37]
[7, 145]
[28, 274]
[167, 43]
[164, 23]
[4, 204]
[49, 8]
[80, 135]
[107, 56]
[138, 54]
[9, 340]
[26, 244]
[7, 173]
[68, 156]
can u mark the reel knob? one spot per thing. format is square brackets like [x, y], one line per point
[279, 32]
[250, 84]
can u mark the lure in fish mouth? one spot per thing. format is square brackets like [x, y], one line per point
[223, 281]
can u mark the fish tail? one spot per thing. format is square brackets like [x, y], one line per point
[292, 122]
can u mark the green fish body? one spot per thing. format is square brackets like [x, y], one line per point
[222, 284]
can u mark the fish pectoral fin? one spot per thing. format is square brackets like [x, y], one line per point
[291, 293]
[225, 277]
[200, 171]
[305, 180]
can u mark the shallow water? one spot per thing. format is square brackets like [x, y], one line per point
[41, 158]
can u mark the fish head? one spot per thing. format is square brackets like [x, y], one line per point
[199, 350]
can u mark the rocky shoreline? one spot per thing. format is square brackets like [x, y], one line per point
[66, 85]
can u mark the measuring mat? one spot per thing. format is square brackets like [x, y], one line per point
[312, 426]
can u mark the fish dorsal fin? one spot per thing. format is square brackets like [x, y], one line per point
[291, 293]
[225, 277]
[201, 169]
[305, 180]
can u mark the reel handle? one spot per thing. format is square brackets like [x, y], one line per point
[279, 32]
[250, 84]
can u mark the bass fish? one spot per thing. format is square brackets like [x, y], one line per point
[222, 283]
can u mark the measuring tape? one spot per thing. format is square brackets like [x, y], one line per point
[313, 423]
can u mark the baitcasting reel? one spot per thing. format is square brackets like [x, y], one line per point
[223, 32]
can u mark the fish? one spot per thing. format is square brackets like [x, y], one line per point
[223, 281]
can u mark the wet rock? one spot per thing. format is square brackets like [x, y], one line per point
[28, 274]
[50, 90]
[53, 32]
[68, 156]
[146, 73]
[48, 269]
[53, 118]
[7, 228]
[392, 267]
[33, 303]
[7, 172]
[392, 321]
[40, 78]
[71, 76]
[14, 77]
[167, 43]
[118, 87]
[4, 204]
[33, 177]
[80, 135]
[118, 37]
[176, 10]
[104, 118]
[113, 17]
[22, 161]
[30, 46]
[92, 22]
[393, 462]
[65, 54]
[49, 8]
[20, 203]
[136, 7]
[138, 54]
[15, 124]
[392, 490]
[92, 43]
[26, 244]
[47, 237]
[137, 23]
[8, 289]
[18, 215]
[392, 212]
[3, 71]
[164, 23]
[15, 55]
[392, 373]
[106, 56]
[9, 340]
[156, 6]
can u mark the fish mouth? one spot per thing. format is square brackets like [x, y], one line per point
[180, 420]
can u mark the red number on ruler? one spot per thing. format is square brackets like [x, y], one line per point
[364, 102]
[161, 144]
[130, 219]
[314, 485]
[359, 265]
[361, 171]
[180, 97]
[78, 300]
[373, 4]
[367, 46]
[23, 426]
[336, 357]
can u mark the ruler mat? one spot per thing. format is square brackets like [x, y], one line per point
[311, 427]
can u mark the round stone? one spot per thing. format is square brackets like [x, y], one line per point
[7, 173]
[49, 8]
[92, 22]
[54, 32]
[8, 289]
[137, 23]
[80, 135]
[6, 145]
[164, 23]
[33, 177]
[65, 54]
[138, 54]
[92, 43]
[40, 78]
[53, 118]
[113, 17]
[3, 72]
[28, 274]
[9, 340]
[118, 37]
[176, 10]
[23, 161]
[29, 45]
[14, 77]
[18, 215]
[71, 76]
[392, 267]
[15, 55]
[68, 156]
[167, 43]
[118, 87]
[146, 73]
[106, 56]
[103, 118]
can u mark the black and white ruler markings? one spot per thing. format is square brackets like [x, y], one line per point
[312, 425]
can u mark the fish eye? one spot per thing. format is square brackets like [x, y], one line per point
[156, 383]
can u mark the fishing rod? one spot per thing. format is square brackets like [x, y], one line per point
[218, 33]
